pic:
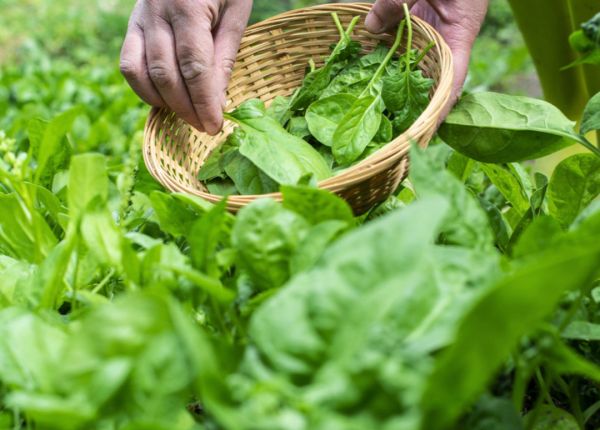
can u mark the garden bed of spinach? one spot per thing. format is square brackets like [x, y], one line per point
[470, 299]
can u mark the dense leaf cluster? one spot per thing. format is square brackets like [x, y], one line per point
[344, 111]
[469, 300]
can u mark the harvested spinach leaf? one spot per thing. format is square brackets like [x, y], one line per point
[361, 123]
[317, 80]
[336, 118]
[405, 91]
[325, 115]
[282, 156]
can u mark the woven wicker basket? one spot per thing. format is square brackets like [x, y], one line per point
[271, 62]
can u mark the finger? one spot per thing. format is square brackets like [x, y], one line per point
[227, 38]
[164, 71]
[460, 39]
[133, 67]
[195, 54]
[386, 14]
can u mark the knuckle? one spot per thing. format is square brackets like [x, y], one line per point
[184, 11]
[227, 65]
[129, 68]
[161, 75]
[193, 67]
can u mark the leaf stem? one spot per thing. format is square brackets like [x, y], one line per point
[386, 60]
[345, 35]
[410, 36]
[589, 145]
[338, 24]
[424, 52]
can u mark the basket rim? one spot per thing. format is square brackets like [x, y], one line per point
[388, 155]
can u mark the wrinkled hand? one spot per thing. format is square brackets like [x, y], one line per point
[458, 21]
[180, 54]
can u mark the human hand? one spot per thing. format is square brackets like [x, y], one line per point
[458, 21]
[180, 54]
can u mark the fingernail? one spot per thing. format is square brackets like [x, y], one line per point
[212, 127]
[373, 23]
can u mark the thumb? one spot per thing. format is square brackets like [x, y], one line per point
[386, 14]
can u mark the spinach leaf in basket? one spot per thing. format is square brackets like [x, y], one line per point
[324, 116]
[280, 109]
[406, 91]
[248, 178]
[298, 127]
[317, 80]
[360, 124]
[282, 156]
[212, 167]
[353, 79]
[385, 132]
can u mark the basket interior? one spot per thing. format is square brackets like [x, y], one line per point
[271, 62]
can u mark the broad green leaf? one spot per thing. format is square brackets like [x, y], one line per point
[317, 80]
[206, 235]
[510, 310]
[177, 213]
[316, 205]
[265, 237]
[247, 178]
[385, 132]
[353, 79]
[591, 115]
[540, 235]
[508, 184]
[283, 157]
[341, 281]
[498, 224]
[49, 280]
[298, 127]
[102, 236]
[222, 188]
[279, 109]
[575, 183]
[466, 223]
[23, 234]
[460, 166]
[356, 129]
[312, 247]
[324, 116]
[406, 94]
[211, 168]
[498, 128]
[48, 152]
[88, 181]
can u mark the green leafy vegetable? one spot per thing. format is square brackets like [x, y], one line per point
[281, 156]
[325, 115]
[496, 128]
[591, 115]
[406, 91]
[574, 185]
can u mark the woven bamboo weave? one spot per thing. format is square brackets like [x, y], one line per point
[271, 62]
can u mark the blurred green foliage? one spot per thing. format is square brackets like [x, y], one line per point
[91, 33]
